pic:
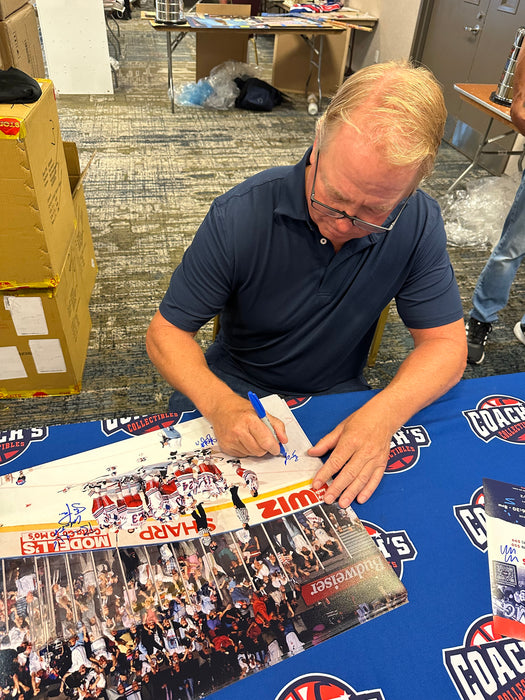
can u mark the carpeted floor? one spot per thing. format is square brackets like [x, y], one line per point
[150, 184]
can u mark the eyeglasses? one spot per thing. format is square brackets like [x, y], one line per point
[340, 214]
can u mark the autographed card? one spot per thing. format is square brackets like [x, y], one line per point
[505, 510]
[145, 489]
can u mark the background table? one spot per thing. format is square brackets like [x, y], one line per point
[427, 516]
[478, 95]
[226, 44]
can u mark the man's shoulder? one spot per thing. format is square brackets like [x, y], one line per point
[261, 184]
[426, 203]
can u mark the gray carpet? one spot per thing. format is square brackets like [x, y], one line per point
[150, 184]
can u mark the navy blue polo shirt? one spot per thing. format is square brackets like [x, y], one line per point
[295, 316]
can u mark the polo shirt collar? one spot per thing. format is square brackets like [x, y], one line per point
[293, 201]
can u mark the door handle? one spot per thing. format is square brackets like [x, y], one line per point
[473, 30]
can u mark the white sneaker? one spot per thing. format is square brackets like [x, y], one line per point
[519, 332]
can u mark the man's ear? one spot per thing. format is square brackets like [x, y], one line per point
[313, 154]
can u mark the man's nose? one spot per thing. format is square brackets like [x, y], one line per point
[344, 225]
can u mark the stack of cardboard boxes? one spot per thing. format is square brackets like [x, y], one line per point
[19, 39]
[47, 265]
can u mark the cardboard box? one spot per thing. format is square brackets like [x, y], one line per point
[82, 242]
[291, 67]
[38, 217]
[44, 333]
[20, 42]
[216, 47]
[7, 7]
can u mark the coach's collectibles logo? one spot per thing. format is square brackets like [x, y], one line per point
[322, 686]
[14, 442]
[487, 666]
[498, 416]
[138, 425]
[471, 516]
[396, 546]
[405, 446]
[298, 401]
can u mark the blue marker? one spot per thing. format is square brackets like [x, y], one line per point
[259, 409]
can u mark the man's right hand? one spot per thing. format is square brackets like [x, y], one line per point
[240, 432]
[180, 360]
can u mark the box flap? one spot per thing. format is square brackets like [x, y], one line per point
[76, 176]
[214, 9]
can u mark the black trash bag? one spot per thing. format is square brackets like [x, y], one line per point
[257, 95]
[16, 87]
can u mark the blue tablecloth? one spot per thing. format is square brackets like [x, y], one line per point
[428, 519]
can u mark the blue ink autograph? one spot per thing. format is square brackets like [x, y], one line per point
[291, 457]
[509, 553]
[206, 440]
[69, 518]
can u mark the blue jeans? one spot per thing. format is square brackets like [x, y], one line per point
[493, 286]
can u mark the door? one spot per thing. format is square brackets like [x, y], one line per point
[469, 41]
[450, 49]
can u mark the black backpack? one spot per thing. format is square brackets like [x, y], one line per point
[16, 87]
[257, 95]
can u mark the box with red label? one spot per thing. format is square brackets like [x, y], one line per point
[38, 215]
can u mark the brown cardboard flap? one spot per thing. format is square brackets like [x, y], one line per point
[76, 176]
[211, 8]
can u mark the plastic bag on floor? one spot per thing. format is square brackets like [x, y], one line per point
[218, 90]
[193, 94]
[474, 216]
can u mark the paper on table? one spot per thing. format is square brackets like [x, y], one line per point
[57, 499]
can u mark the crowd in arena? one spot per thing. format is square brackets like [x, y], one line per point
[174, 621]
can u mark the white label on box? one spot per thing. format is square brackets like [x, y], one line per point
[48, 356]
[11, 365]
[27, 314]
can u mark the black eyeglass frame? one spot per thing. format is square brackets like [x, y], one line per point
[340, 214]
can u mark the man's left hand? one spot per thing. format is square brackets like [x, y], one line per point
[360, 448]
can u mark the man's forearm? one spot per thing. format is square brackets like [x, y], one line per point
[181, 362]
[430, 370]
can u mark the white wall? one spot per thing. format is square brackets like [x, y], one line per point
[392, 38]
[76, 46]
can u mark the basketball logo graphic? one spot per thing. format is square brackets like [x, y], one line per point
[396, 546]
[481, 632]
[498, 416]
[405, 448]
[472, 518]
[14, 442]
[139, 425]
[486, 666]
[296, 402]
[322, 686]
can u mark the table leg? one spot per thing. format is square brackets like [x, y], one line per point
[319, 66]
[483, 142]
[171, 46]
[315, 52]
[170, 72]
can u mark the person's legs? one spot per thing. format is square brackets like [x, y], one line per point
[492, 290]
[234, 490]
[493, 286]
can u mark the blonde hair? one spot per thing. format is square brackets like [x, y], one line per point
[396, 106]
